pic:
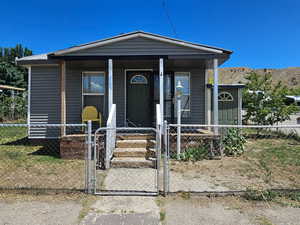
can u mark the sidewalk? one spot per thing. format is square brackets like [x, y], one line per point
[63, 209]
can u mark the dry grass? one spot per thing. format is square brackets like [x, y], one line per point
[267, 163]
[29, 164]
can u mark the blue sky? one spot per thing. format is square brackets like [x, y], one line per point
[262, 34]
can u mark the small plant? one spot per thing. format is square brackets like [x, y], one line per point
[162, 215]
[234, 142]
[260, 195]
[186, 195]
[195, 154]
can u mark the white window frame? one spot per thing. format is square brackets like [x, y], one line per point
[92, 94]
[189, 75]
[89, 72]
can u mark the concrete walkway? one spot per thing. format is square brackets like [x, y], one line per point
[126, 179]
[125, 210]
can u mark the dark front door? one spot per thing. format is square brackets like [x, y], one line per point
[139, 98]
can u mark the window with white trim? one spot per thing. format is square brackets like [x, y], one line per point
[184, 78]
[93, 83]
[225, 97]
[93, 90]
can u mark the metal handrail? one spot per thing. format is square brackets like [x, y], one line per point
[110, 136]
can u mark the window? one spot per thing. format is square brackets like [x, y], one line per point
[138, 79]
[93, 83]
[225, 97]
[184, 78]
[93, 90]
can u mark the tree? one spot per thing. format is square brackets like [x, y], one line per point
[265, 103]
[10, 73]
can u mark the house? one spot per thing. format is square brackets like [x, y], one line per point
[134, 71]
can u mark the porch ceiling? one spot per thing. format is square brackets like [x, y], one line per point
[140, 64]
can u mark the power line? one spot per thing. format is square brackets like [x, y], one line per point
[169, 18]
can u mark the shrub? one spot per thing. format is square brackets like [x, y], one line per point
[195, 154]
[264, 101]
[260, 195]
[8, 112]
[233, 142]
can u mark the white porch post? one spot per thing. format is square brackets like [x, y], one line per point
[28, 99]
[63, 97]
[161, 87]
[110, 84]
[215, 95]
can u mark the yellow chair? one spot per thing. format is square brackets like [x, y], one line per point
[91, 113]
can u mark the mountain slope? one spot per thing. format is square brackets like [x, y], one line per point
[230, 75]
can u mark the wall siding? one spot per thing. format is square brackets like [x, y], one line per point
[197, 97]
[45, 101]
[137, 46]
[74, 91]
[46, 91]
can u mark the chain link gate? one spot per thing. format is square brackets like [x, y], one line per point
[124, 161]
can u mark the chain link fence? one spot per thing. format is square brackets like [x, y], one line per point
[46, 163]
[133, 167]
[205, 158]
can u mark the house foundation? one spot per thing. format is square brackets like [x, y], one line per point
[73, 147]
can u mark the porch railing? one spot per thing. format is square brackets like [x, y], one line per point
[110, 136]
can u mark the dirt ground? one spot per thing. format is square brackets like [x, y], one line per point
[267, 163]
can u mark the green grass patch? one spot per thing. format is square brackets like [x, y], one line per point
[12, 134]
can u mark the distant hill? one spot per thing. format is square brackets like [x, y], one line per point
[289, 76]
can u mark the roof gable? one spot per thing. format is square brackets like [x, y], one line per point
[138, 43]
[136, 46]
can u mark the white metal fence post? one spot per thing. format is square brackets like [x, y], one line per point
[89, 140]
[178, 126]
[166, 159]
[158, 154]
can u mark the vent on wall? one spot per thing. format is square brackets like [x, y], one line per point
[36, 131]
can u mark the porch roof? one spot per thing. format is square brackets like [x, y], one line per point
[181, 50]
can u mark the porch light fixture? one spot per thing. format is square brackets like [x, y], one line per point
[179, 89]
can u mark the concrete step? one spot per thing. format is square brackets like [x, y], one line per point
[151, 143]
[132, 143]
[151, 153]
[130, 152]
[135, 136]
[132, 162]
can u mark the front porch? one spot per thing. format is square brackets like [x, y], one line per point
[101, 83]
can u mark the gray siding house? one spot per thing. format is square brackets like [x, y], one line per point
[134, 71]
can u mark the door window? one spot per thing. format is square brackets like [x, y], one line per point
[138, 79]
